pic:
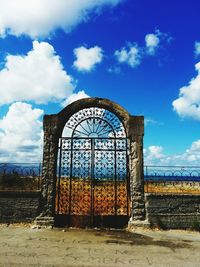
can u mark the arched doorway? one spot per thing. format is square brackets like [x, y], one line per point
[93, 186]
[75, 128]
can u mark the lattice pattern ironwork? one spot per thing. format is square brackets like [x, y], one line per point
[104, 198]
[92, 178]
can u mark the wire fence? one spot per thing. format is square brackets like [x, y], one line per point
[20, 176]
[158, 179]
[172, 179]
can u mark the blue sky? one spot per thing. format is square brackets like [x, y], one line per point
[143, 55]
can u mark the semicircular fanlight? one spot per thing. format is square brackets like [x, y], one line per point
[94, 123]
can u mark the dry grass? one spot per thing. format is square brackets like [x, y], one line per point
[176, 187]
[12, 183]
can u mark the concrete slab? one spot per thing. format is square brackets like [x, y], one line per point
[22, 246]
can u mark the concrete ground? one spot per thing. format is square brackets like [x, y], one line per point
[22, 246]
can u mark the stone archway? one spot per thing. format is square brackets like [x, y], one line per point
[53, 127]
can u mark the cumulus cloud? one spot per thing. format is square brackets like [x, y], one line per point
[38, 76]
[152, 42]
[133, 54]
[154, 155]
[155, 41]
[39, 18]
[188, 102]
[129, 54]
[87, 58]
[74, 97]
[21, 134]
[197, 48]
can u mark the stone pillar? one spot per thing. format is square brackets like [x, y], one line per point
[136, 133]
[136, 179]
[48, 181]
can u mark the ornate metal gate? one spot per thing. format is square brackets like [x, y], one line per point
[93, 180]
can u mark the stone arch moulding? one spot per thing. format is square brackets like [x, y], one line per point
[53, 126]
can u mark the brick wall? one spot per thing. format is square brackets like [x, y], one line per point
[19, 206]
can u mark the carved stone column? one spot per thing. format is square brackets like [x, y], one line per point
[136, 179]
[136, 132]
[50, 150]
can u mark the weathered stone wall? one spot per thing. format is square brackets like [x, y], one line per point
[173, 211]
[19, 206]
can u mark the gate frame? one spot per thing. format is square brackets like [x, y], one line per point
[94, 179]
[53, 126]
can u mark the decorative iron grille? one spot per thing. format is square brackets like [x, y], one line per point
[93, 174]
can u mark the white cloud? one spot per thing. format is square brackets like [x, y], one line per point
[133, 54]
[188, 102]
[87, 58]
[152, 43]
[21, 134]
[38, 76]
[129, 54]
[197, 48]
[39, 18]
[74, 97]
[154, 155]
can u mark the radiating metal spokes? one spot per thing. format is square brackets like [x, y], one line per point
[94, 123]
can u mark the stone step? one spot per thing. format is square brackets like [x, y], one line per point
[44, 221]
